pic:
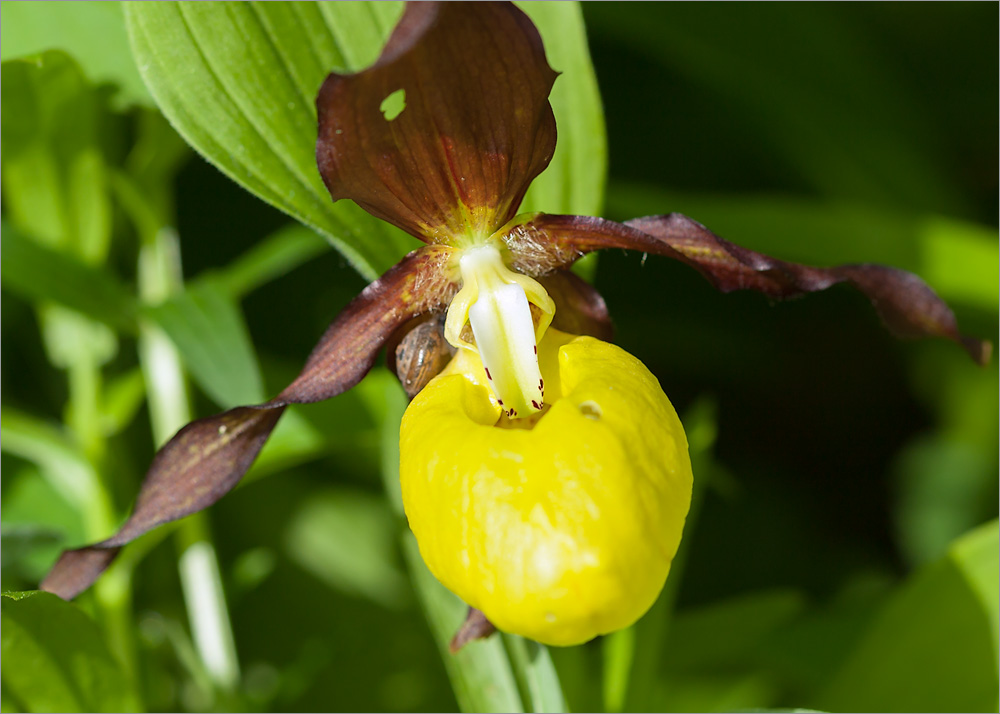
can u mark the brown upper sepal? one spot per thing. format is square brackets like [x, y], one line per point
[475, 130]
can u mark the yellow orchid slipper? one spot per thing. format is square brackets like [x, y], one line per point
[561, 526]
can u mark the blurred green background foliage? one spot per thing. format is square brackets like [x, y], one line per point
[842, 553]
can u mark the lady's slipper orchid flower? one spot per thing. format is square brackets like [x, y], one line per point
[544, 473]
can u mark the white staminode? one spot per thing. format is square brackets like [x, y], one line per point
[495, 301]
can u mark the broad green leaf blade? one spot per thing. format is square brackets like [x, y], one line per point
[574, 181]
[725, 633]
[37, 522]
[347, 539]
[91, 32]
[62, 464]
[238, 81]
[293, 442]
[120, 401]
[207, 327]
[54, 658]
[934, 646]
[54, 184]
[273, 257]
[38, 273]
[942, 484]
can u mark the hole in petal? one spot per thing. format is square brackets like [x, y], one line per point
[590, 409]
[393, 105]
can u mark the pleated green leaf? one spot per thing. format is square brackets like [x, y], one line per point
[239, 80]
[91, 32]
[54, 181]
[574, 181]
[38, 273]
[54, 658]
[934, 646]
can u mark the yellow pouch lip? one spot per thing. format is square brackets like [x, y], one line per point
[562, 531]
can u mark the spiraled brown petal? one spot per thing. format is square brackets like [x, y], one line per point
[208, 457]
[907, 306]
[476, 128]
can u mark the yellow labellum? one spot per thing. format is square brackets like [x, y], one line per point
[562, 526]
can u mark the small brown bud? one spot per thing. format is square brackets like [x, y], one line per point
[475, 627]
[421, 355]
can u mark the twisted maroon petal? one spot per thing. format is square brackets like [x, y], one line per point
[907, 306]
[208, 457]
[474, 129]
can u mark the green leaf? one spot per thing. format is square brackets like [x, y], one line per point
[961, 259]
[55, 659]
[726, 633]
[53, 171]
[92, 32]
[934, 646]
[347, 539]
[345, 429]
[276, 255]
[39, 273]
[206, 325]
[574, 181]
[62, 464]
[239, 80]
[294, 441]
[121, 400]
[37, 523]
[958, 259]
[944, 488]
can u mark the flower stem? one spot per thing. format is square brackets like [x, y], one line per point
[201, 580]
[618, 649]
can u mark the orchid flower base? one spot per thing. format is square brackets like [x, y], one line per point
[560, 527]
